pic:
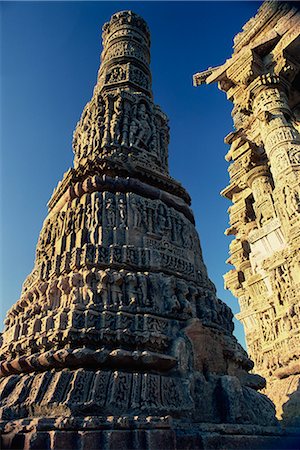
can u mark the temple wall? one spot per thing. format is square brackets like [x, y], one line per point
[262, 79]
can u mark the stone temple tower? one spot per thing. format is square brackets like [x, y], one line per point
[118, 339]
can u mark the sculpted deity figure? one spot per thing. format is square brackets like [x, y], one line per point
[102, 289]
[122, 213]
[90, 287]
[97, 218]
[53, 295]
[76, 292]
[61, 222]
[115, 124]
[99, 124]
[117, 74]
[79, 216]
[110, 212]
[186, 236]
[169, 295]
[267, 328]
[131, 288]
[140, 128]
[161, 222]
[144, 214]
[142, 290]
[182, 293]
[85, 135]
[133, 130]
[261, 186]
[292, 201]
[65, 288]
[70, 222]
[137, 217]
[265, 213]
[164, 142]
[116, 281]
[88, 214]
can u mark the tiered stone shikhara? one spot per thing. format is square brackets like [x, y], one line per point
[262, 79]
[118, 326]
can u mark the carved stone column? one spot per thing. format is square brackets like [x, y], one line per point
[281, 141]
[262, 79]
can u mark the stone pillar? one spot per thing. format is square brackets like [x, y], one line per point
[262, 80]
[281, 141]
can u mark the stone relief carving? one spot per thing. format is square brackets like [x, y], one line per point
[292, 201]
[265, 114]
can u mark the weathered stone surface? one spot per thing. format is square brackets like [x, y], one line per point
[119, 337]
[262, 80]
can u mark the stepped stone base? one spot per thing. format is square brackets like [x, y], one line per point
[141, 433]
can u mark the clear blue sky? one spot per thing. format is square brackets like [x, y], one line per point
[50, 55]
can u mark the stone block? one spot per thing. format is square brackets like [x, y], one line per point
[139, 440]
[222, 442]
[16, 443]
[37, 441]
[161, 439]
[187, 441]
[92, 440]
[65, 440]
[117, 439]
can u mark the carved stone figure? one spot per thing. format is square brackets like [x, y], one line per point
[292, 201]
[140, 127]
[115, 124]
[122, 213]
[137, 217]
[110, 212]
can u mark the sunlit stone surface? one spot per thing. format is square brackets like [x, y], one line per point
[262, 79]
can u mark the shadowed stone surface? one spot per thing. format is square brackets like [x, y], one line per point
[118, 340]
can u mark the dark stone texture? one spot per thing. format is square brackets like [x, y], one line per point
[121, 440]
[188, 441]
[38, 441]
[161, 439]
[92, 440]
[223, 438]
[140, 439]
[17, 442]
[221, 442]
[65, 440]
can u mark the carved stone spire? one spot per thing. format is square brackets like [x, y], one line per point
[118, 326]
[121, 126]
[126, 54]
